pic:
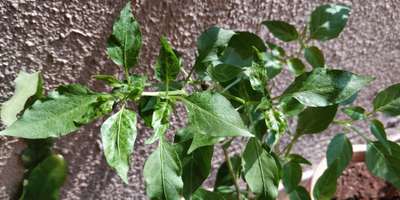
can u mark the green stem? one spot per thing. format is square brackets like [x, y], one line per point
[126, 73]
[189, 75]
[232, 172]
[291, 144]
[232, 84]
[164, 93]
[235, 98]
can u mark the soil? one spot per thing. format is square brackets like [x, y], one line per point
[357, 182]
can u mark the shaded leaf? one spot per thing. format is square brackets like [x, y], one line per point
[296, 66]
[314, 56]
[378, 130]
[299, 193]
[308, 123]
[46, 179]
[202, 194]
[224, 72]
[282, 30]
[124, 44]
[291, 175]
[224, 177]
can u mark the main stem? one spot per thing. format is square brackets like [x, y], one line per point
[232, 172]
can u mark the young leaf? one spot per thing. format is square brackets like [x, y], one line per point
[26, 86]
[378, 130]
[160, 120]
[339, 155]
[296, 66]
[224, 178]
[162, 173]
[212, 114]
[118, 135]
[388, 101]
[124, 44]
[54, 117]
[323, 87]
[260, 170]
[355, 112]
[46, 179]
[168, 63]
[327, 21]
[383, 164]
[282, 30]
[314, 56]
[202, 194]
[291, 175]
[308, 123]
[277, 125]
[299, 193]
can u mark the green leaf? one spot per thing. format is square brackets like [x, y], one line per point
[36, 152]
[378, 130]
[314, 56]
[224, 72]
[291, 107]
[212, 114]
[54, 117]
[327, 21]
[296, 66]
[383, 164]
[258, 77]
[146, 107]
[26, 86]
[291, 176]
[308, 123]
[260, 170]
[325, 187]
[109, 80]
[118, 135]
[282, 30]
[224, 177]
[323, 87]
[124, 44]
[196, 167]
[163, 173]
[299, 193]
[46, 179]
[355, 112]
[388, 101]
[276, 50]
[168, 63]
[202, 194]
[201, 140]
[240, 50]
[339, 155]
[298, 159]
[339, 150]
[160, 120]
[208, 46]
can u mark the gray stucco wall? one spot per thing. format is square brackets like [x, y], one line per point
[66, 41]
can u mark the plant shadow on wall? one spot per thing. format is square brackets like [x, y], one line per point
[231, 99]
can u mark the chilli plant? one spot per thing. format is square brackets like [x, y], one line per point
[228, 98]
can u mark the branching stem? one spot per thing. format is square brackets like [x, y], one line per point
[232, 172]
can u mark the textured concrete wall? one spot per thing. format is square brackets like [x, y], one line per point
[66, 41]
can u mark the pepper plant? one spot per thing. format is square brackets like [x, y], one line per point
[227, 95]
